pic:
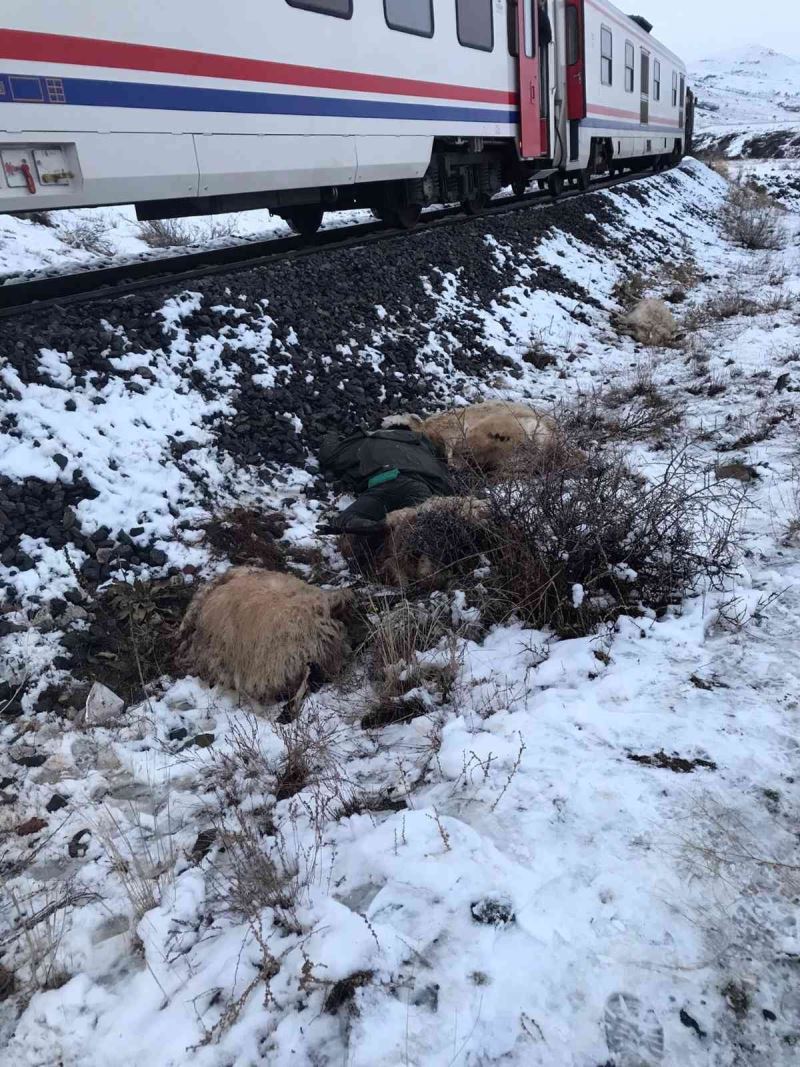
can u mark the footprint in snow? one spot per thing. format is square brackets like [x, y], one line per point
[634, 1035]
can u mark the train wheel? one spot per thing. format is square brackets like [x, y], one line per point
[519, 188]
[474, 205]
[555, 185]
[584, 180]
[542, 183]
[407, 216]
[305, 219]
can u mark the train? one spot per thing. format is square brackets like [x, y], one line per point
[309, 106]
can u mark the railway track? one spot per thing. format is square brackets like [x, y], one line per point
[16, 298]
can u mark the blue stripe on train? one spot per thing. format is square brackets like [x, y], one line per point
[617, 124]
[86, 92]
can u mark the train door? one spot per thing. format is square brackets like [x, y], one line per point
[644, 115]
[576, 63]
[576, 72]
[530, 124]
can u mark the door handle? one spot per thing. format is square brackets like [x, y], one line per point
[533, 93]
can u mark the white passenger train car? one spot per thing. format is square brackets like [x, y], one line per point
[636, 89]
[310, 105]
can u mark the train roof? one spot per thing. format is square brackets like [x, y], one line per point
[633, 25]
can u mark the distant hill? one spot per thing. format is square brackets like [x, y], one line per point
[747, 85]
[748, 100]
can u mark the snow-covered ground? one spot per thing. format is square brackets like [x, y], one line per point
[91, 237]
[780, 178]
[746, 88]
[498, 880]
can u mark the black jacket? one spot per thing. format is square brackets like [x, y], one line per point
[356, 459]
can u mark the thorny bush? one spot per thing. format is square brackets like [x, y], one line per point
[577, 545]
[751, 219]
[451, 541]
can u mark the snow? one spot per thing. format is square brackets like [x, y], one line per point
[747, 88]
[91, 237]
[519, 788]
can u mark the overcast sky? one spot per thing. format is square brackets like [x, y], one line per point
[699, 28]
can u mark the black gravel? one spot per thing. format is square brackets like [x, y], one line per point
[330, 301]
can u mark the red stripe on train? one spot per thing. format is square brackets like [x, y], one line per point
[25, 45]
[600, 110]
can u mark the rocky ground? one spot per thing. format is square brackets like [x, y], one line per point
[575, 852]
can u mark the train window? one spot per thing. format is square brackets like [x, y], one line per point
[410, 16]
[474, 24]
[341, 9]
[630, 68]
[530, 43]
[674, 88]
[656, 80]
[573, 37]
[512, 13]
[606, 56]
[683, 89]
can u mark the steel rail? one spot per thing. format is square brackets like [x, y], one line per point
[17, 298]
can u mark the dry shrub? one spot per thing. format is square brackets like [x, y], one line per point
[630, 289]
[248, 536]
[574, 547]
[255, 866]
[307, 758]
[791, 536]
[629, 412]
[398, 633]
[131, 639]
[681, 274]
[684, 271]
[41, 218]
[449, 539]
[734, 301]
[87, 235]
[722, 843]
[142, 857]
[166, 233]
[729, 304]
[34, 926]
[720, 166]
[537, 356]
[215, 229]
[253, 877]
[751, 219]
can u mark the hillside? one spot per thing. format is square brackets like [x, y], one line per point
[749, 102]
[506, 842]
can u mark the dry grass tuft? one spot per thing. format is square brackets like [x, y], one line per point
[142, 858]
[87, 235]
[634, 411]
[751, 219]
[166, 233]
[399, 632]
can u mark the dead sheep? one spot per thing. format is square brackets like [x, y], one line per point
[651, 323]
[423, 546]
[262, 632]
[483, 435]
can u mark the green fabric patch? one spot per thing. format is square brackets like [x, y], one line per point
[383, 478]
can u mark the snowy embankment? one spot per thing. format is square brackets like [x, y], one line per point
[579, 852]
